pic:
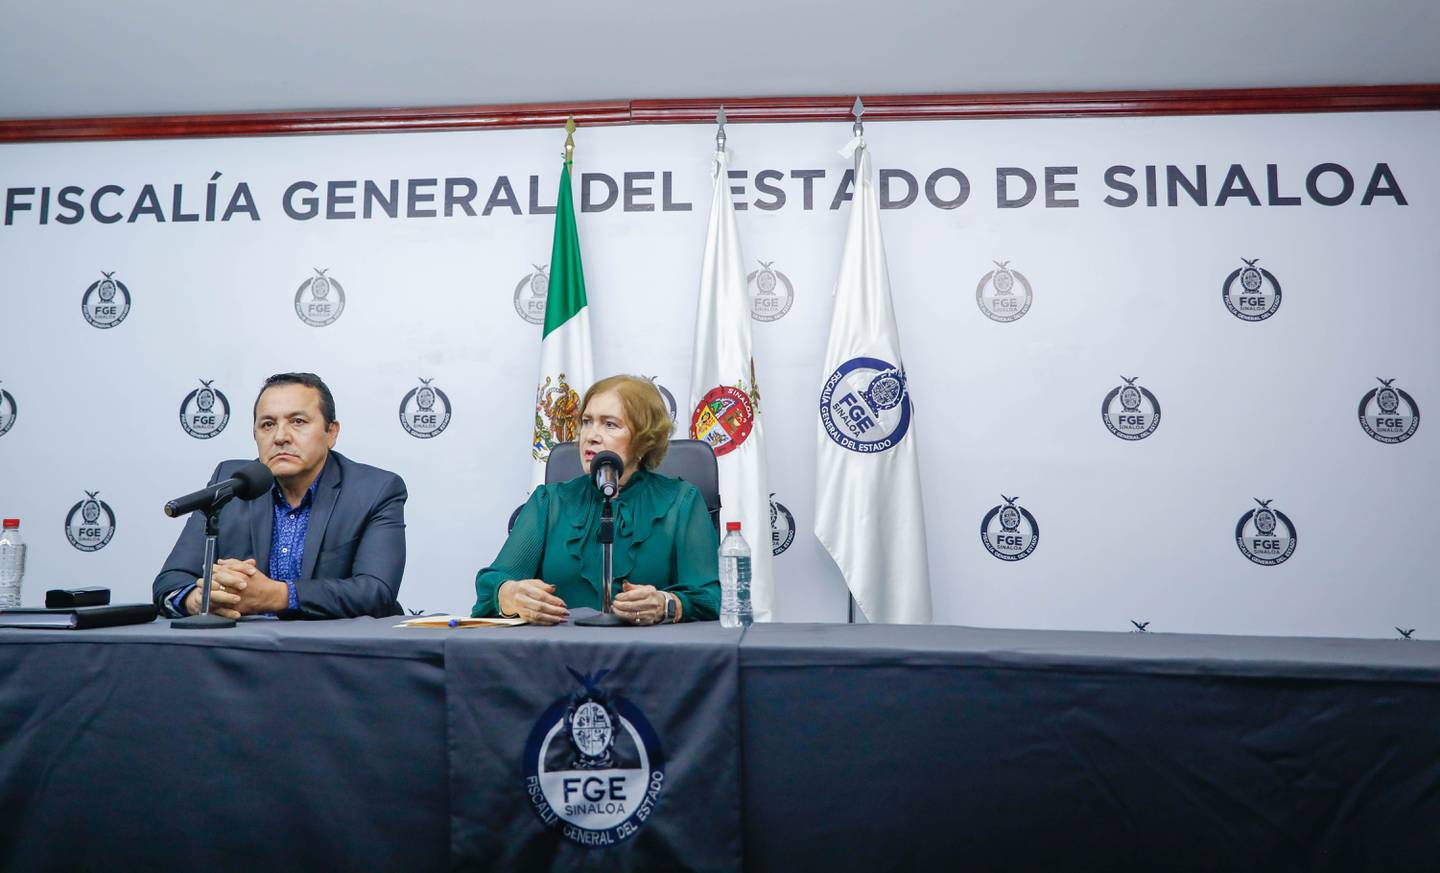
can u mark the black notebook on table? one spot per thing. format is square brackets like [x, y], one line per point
[80, 617]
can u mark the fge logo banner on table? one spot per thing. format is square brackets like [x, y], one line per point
[425, 411]
[1266, 536]
[1388, 414]
[198, 415]
[593, 765]
[319, 300]
[106, 302]
[90, 523]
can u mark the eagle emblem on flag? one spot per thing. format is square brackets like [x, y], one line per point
[557, 413]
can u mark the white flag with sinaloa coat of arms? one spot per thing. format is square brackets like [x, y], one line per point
[724, 397]
[567, 365]
[868, 510]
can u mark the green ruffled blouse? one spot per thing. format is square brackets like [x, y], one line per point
[663, 537]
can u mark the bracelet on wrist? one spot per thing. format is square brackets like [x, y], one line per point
[498, 609]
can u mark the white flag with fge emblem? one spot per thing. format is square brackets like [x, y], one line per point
[868, 509]
[724, 394]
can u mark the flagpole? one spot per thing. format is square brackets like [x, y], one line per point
[857, 130]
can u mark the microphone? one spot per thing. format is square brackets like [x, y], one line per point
[248, 482]
[605, 470]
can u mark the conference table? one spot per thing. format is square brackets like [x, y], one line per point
[359, 745]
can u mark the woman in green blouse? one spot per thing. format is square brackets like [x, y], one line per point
[665, 564]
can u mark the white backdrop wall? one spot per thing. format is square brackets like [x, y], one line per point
[1133, 529]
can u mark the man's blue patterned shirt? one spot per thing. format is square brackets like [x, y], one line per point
[287, 538]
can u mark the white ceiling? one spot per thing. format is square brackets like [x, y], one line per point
[75, 58]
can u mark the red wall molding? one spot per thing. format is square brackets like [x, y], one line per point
[1364, 98]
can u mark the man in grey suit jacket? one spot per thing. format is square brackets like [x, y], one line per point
[328, 541]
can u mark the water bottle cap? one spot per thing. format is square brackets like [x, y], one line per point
[11, 522]
[731, 525]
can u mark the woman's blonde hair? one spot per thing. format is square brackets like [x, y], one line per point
[645, 412]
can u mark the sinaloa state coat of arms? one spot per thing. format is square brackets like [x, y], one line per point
[725, 416]
[557, 414]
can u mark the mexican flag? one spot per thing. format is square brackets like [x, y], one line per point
[567, 365]
[724, 396]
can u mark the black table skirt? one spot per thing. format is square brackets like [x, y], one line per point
[325, 746]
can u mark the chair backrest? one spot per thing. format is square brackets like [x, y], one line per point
[691, 460]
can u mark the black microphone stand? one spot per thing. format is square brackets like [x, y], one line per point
[606, 617]
[204, 620]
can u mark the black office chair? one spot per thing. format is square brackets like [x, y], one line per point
[691, 460]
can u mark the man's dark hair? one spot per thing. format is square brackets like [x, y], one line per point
[309, 380]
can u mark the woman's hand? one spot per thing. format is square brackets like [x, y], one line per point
[532, 600]
[640, 604]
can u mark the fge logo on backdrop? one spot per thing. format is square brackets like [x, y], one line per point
[668, 398]
[90, 523]
[1004, 294]
[1266, 536]
[772, 293]
[531, 294]
[593, 765]
[319, 300]
[198, 415]
[1388, 414]
[1251, 293]
[1130, 411]
[782, 527]
[1009, 531]
[420, 415]
[8, 411]
[106, 302]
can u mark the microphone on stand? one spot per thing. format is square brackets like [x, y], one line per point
[605, 470]
[247, 483]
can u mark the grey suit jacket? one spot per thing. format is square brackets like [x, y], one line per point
[354, 547]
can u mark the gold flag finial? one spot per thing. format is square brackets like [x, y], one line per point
[570, 140]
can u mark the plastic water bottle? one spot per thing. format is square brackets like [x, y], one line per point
[735, 578]
[12, 563]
